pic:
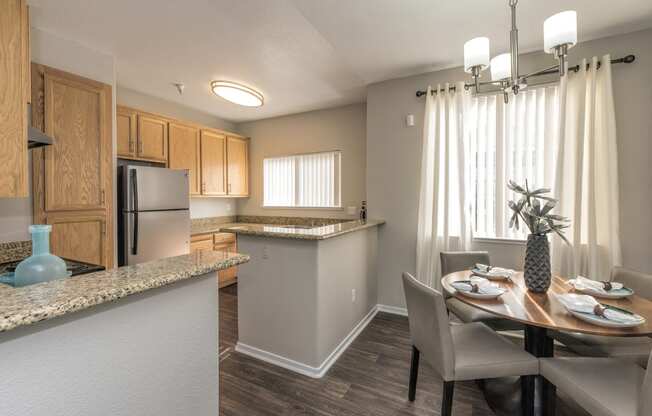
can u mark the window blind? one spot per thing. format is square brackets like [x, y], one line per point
[308, 180]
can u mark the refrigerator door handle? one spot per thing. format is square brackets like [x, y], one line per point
[134, 188]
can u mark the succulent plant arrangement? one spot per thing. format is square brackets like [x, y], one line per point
[533, 208]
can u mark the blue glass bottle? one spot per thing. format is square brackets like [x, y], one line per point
[41, 266]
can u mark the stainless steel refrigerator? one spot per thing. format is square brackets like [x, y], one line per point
[154, 214]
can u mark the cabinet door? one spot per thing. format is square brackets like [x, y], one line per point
[80, 238]
[14, 96]
[237, 153]
[213, 163]
[201, 243]
[183, 142]
[152, 138]
[80, 158]
[126, 126]
[227, 276]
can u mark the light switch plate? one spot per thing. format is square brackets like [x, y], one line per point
[351, 210]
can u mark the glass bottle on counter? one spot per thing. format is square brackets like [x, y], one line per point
[41, 266]
[363, 211]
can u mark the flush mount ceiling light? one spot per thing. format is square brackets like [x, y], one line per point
[237, 93]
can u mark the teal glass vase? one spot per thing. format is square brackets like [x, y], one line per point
[41, 266]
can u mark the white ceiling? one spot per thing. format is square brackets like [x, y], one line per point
[303, 54]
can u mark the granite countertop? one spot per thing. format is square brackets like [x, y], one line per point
[43, 301]
[286, 231]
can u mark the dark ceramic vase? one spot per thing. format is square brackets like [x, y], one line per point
[537, 263]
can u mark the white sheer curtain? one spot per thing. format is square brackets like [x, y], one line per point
[444, 217]
[586, 180]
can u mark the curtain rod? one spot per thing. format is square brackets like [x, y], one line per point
[553, 70]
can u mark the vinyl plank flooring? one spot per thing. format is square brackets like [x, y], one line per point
[369, 379]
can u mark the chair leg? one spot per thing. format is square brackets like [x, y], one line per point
[414, 373]
[527, 395]
[447, 398]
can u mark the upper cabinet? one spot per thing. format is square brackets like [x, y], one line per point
[14, 97]
[217, 161]
[183, 143]
[141, 136]
[126, 126]
[76, 114]
[237, 160]
[152, 138]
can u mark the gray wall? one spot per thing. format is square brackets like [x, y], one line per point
[341, 128]
[394, 154]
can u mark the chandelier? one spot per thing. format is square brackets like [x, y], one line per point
[560, 34]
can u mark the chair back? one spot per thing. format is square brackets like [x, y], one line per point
[429, 326]
[640, 282]
[645, 401]
[455, 261]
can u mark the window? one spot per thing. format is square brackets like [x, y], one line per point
[305, 181]
[510, 141]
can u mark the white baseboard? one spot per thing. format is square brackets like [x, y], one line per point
[314, 372]
[395, 310]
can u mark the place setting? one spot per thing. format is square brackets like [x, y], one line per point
[588, 309]
[478, 288]
[601, 289]
[492, 272]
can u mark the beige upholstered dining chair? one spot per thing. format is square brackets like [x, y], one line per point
[459, 352]
[455, 261]
[602, 386]
[635, 349]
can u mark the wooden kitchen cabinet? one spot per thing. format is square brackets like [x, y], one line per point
[183, 143]
[237, 161]
[73, 178]
[76, 166]
[126, 132]
[213, 163]
[152, 138]
[201, 242]
[14, 97]
[79, 237]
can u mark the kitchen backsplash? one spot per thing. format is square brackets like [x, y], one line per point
[16, 250]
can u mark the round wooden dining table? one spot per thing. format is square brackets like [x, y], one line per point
[540, 312]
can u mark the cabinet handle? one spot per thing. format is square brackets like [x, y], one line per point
[102, 197]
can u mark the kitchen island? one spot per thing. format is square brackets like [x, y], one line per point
[136, 340]
[307, 292]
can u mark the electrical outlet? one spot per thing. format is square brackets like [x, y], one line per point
[354, 295]
[265, 252]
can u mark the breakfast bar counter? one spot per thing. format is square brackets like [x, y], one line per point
[136, 340]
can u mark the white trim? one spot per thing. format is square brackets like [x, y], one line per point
[340, 208]
[314, 372]
[394, 310]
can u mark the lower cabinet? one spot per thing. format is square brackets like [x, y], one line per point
[218, 242]
[79, 237]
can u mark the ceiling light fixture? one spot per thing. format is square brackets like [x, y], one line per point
[237, 93]
[560, 34]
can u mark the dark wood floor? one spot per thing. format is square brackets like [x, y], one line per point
[369, 379]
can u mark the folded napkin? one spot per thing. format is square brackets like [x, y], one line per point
[484, 286]
[494, 271]
[588, 304]
[582, 282]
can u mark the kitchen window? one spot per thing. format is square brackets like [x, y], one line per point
[510, 141]
[303, 181]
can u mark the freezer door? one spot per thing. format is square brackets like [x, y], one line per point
[154, 235]
[150, 188]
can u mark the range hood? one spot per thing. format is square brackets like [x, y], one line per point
[35, 137]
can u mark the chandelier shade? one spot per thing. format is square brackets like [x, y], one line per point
[560, 29]
[476, 54]
[501, 67]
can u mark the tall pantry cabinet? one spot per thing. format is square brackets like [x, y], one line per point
[73, 178]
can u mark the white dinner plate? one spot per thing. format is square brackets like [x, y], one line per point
[600, 321]
[477, 272]
[480, 295]
[612, 294]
